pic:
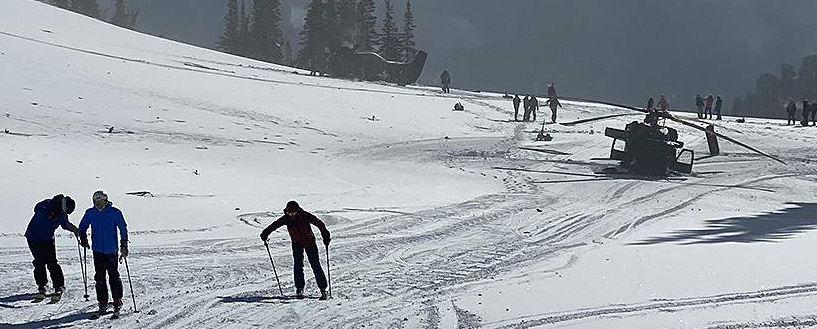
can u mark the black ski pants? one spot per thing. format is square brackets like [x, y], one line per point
[45, 255]
[791, 119]
[314, 262]
[107, 265]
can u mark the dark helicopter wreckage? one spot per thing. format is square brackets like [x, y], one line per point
[651, 148]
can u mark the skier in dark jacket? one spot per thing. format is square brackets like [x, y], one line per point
[650, 105]
[516, 101]
[708, 106]
[526, 105]
[445, 79]
[718, 106]
[48, 215]
[806, 110]
[791, 109]
[105, 220]
[534, 106]
[297, 222]
[699, 104]
[553, 103]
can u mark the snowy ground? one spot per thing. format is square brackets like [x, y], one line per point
[439, 219]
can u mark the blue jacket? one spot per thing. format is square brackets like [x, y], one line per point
[103, 226]
[41, 228]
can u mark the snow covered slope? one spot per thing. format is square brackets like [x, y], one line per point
[439, 219]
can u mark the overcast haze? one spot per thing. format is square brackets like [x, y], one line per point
[620, 50]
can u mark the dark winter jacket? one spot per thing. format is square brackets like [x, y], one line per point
[791, 108]
[551, 91]
[718, 105]
[445, 78]
[516, 101]
[708, 101]
[104, 225]
[554, 103]
[298, 227]
[699, 101]
[42, 225]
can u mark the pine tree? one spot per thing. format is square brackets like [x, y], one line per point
[367, 26]
[389, 35]
[86, 7]
[244, 41]
[347, 22]
[312, 41]
[123, 17]
[408, 46]
[265, 31]
[229, 41]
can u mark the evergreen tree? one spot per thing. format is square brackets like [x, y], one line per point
[122, 16]
[347, 22]
[408, 46]
[86, 7]
[244, 41]
[265, 31]
[389, 35]
[312, 36]
[366, 25]
[230, 39]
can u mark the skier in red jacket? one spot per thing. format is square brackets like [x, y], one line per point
[297, 222]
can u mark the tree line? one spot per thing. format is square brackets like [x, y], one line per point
[122, 16]
[329, 25]
[772, 92]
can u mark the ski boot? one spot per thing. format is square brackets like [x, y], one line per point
[103, 308]
[117, 306]
[324, 296]
[299, 293]
[55, 298]
[40, 295]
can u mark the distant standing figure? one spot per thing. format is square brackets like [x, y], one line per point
[553, 103]
[663, 103]
[708, 106]
[534, 106]
[48, 215]
[718, 106]
[526, 104]
[791, 109]
[552, 90]
[806, 110]
[516, 101]
[699, 104]
[813, 113]
[445, 79]
[650, 105]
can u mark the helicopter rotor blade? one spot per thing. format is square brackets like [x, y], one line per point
[610, 116]
[736, 142]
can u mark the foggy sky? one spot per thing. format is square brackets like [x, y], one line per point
[622, 50]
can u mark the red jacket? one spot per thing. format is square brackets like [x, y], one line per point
[298, 227]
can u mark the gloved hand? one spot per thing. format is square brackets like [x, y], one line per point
[264, 236]
[83, 241]
[326, 241]
[123, 250]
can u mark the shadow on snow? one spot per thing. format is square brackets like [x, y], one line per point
[63, 322]
[768, 227]
[261, 299]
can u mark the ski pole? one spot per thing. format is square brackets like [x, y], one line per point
[273, 269]
[328, 273]
[131, 286]
[84, 266]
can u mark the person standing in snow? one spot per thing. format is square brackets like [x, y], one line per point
[298, 223]
[516, 101]
[791, 109]
[534, 106]
[105, 220]
[813, 113]
[663, 104]
[650, 105]
[552, 90]
[806, 110]
[554, 103]
[718, 106]
[526, 105]
[708, 106]
[445, 79]
[48, 215]
[699, 104]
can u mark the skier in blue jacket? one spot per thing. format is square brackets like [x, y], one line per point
[104, 221]
[48, 215]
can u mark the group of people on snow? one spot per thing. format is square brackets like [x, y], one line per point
[663, 104]
[104, 221]
[109, 244]
[807, 109]
[705, 106]
[531, 105]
